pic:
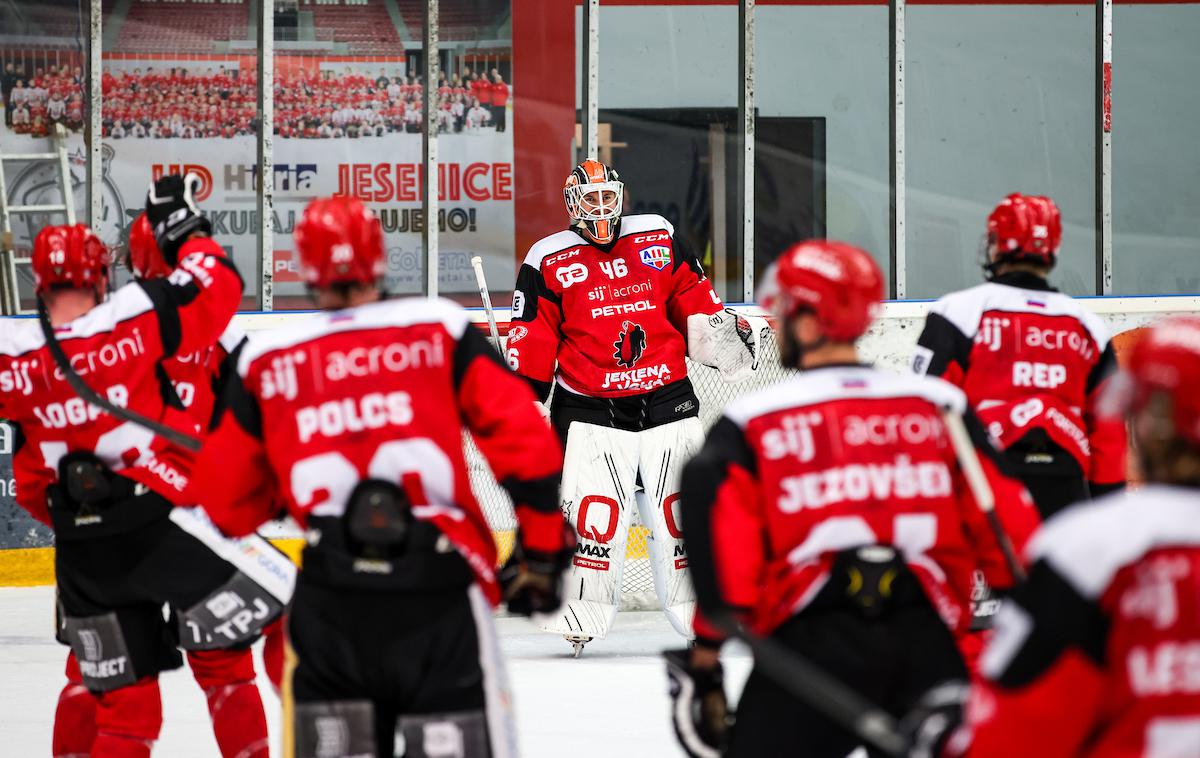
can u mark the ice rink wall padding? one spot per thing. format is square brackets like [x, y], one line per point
[26, 546]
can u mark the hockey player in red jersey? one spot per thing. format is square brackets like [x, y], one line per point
[1031, 360]
[106, 485]
[354, 420]
[830, 512]
[604, 313]
[1098, 654]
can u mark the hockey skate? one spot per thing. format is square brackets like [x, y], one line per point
[577, 642]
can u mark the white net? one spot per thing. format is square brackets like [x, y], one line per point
[637, 584]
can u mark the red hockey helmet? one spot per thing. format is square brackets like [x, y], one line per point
[1024, 227]
[838, 282]
[340, 242]
[69, 256]
[145, 259]
[1166, 362]
[594, 195]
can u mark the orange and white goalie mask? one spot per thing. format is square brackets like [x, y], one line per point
[593, 193]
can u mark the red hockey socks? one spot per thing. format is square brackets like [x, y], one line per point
[239, 723]
[75, 717]
[128, 720]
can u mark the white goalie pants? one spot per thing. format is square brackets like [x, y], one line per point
[602, 471]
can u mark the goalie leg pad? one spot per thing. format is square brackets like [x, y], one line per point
[599, 477]
[340, 727]
[443, 735]
[664, 451]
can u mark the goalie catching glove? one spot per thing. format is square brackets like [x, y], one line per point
[727, 341]
[531, 580]
[699, 711]
[173, 215]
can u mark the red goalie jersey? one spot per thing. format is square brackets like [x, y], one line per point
[382, 391]
[614, 320]
[116, 349]
[1029, 358]
[836, 458]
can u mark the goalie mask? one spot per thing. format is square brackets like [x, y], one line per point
[593, 193]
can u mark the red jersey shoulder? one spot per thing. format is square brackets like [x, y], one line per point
[993, 315]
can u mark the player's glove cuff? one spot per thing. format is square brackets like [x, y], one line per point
[699, 711]
[929, 726]
[173, 215]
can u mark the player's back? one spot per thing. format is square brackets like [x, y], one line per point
[1111, 619]
[1004, 342]
[848, 456]
[367, 392]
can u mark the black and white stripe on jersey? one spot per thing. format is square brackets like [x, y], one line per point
[965, 308]
[128, 302]
[568, 238]
[401, 312]
[843, 383]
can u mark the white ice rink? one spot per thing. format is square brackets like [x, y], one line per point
[610, 702]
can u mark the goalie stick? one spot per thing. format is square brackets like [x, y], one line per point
[174, 436]
[477, 264]
[968, 458]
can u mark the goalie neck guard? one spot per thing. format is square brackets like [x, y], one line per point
[594, 193]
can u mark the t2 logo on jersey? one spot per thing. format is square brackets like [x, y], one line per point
[572, 274]
[630, 345]
[656, 256]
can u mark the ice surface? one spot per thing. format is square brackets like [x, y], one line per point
[609, 703]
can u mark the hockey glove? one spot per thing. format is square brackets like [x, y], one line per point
[929, 726]
[699, 712]
[173, 215]
[531, 580]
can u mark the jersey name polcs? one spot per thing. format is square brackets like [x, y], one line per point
[1028, 359]
[841, 457]
[1108, 622]
[381, 391]
[614, 321]
[116, 348]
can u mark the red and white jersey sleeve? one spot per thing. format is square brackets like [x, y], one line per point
[833, 459]
[1029, 359]
[383, 391]
[1098, 654]
[195, 376]
[614, 322]
[116, 349]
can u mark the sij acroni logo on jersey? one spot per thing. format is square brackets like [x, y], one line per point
[656, 256]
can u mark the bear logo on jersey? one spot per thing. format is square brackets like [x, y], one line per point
[656, 256]
[630, 345]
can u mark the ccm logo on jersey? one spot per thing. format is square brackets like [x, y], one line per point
[656, 256]
[374, 410]
[1034, 374]
[573, 274]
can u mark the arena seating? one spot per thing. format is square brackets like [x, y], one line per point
[365, 26]
[159, 26]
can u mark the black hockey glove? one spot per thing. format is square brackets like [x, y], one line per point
[929, 725]
[173, 215]
[699, 711]
[532, 580]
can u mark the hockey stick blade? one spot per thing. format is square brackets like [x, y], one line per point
[820, 690]
[174, 436]
[477, 264]
[968, 458]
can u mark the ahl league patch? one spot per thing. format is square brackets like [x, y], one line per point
[656, 256]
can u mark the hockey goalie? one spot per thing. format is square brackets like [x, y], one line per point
[603, 314]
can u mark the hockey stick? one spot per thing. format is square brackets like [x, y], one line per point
[968, 458]
[821, 691]
[174, 436]
[477, 264]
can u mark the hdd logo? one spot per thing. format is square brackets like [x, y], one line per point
[573, 274]
[630, 345]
